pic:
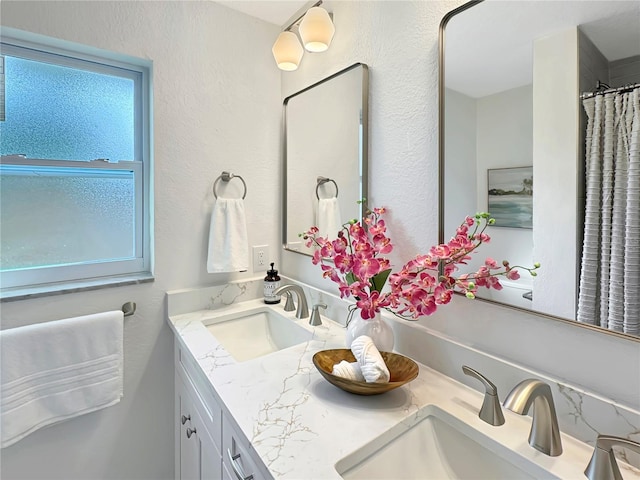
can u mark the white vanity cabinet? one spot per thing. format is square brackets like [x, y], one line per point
[198, 420]
[208, 444]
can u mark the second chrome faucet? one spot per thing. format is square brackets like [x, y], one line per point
[545, 434]
[303, 308]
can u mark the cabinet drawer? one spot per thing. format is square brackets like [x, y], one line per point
[238, 458]
[226, 474]
[192, 369]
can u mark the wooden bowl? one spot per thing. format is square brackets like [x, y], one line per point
[401, 369]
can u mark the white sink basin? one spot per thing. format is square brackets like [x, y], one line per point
[439, 446]
[257, 332]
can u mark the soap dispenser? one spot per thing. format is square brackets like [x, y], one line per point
[271, 283]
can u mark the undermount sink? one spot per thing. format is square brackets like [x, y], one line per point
[439, 446]
[257, 332]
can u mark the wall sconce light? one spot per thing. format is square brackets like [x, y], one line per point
[316, 31]
[287, 51]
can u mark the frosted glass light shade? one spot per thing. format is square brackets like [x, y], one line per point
[287, 51]
[316, 30]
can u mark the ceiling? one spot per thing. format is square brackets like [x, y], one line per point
[276, 12]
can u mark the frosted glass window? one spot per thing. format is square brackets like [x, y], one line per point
[75, 203]
[51, 216]
[64, 113]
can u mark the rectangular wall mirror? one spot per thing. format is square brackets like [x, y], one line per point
[325, 155]
[515, 136]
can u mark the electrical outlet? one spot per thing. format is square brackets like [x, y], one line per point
[260, 258]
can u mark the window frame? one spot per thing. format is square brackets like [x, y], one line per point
[14, 283]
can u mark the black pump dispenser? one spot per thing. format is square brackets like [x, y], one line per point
[271, 284]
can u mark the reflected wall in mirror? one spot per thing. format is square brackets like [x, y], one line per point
[515, 75]
[325, 155]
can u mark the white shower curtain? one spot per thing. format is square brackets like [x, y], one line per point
[610, 274]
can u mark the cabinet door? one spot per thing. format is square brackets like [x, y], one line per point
[188, 457]
[198, 457]
[210, 460]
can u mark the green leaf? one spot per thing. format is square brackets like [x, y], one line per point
[350, 277]
[378, 280]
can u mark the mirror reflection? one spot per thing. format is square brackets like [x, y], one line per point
[325, 155]
[518, 143]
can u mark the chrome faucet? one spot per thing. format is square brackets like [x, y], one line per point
[315, 319]
[303, 309]
[603, 465]
[491, 411]
[545, 434]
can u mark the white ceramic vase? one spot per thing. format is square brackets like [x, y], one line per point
[376, 328]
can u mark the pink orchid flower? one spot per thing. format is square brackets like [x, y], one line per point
[425, 282]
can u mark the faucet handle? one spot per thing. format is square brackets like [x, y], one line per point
[491, 410]
[603, 465]
[289, 306]
[315, 319]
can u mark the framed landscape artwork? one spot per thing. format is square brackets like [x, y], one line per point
[511, 196]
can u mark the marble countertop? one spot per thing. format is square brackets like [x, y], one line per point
[301, 426]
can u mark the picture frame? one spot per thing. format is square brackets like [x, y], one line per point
[510, 196]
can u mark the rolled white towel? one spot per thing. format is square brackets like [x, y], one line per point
[371, 362]
[350, 371]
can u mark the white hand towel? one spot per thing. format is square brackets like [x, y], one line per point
[55, 371]
[371, 362]
[328, 218]
[228, 240]
[350, 371]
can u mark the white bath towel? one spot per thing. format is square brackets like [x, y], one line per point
[328, 218]
[371, 362]
[228, 240]
[55, 371]
[348, 370]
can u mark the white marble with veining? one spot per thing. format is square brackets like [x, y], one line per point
[211, 298]
[301, 426]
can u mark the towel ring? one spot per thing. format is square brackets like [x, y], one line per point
[322, 181]
[226, 177]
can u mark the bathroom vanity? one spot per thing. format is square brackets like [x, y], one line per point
[246, 408]
[204, 432]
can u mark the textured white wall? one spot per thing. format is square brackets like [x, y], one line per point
[216, 107]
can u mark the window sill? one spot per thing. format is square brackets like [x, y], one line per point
[27, 293]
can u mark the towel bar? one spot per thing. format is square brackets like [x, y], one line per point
[322, 181]
[226, 177]
[129, 309]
